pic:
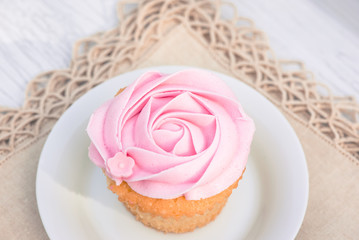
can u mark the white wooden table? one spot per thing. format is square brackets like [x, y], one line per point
[37, 35]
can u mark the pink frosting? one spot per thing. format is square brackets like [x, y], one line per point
[182, 134]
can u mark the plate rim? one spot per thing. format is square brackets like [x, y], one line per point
[168, 68]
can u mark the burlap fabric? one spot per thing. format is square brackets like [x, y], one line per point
[189, 32]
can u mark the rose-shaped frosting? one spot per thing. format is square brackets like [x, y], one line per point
[183, 134]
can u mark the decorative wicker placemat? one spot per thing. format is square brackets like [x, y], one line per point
[238, 48]
[236, 44]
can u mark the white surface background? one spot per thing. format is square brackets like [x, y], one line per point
[38, 35]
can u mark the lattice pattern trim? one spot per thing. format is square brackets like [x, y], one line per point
[235, 43]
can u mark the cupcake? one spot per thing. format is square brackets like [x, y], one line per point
[172, 147]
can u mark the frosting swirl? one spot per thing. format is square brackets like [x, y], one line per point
[182, 134]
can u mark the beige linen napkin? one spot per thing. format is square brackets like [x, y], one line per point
[334, 173]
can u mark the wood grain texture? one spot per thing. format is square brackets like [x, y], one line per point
[37, 35]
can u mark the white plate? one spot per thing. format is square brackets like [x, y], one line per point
[270, 201]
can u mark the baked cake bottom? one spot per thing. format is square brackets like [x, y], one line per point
[176, 215]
